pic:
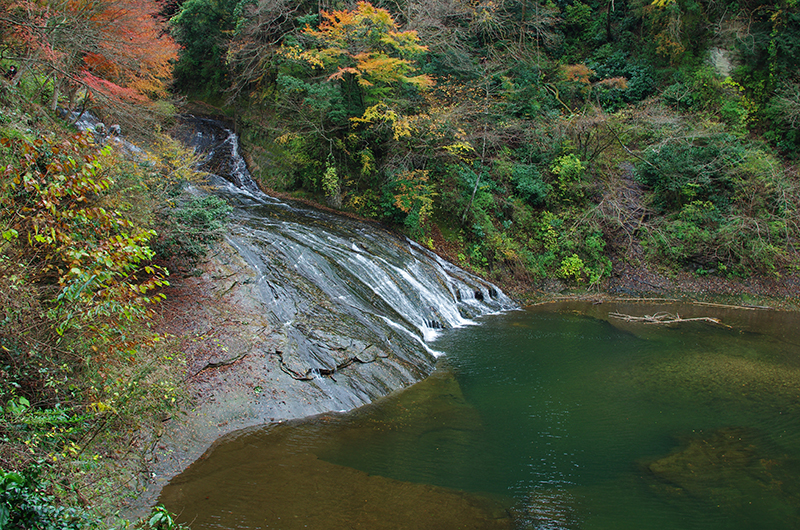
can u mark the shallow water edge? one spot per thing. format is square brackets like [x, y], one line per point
[223, 399]
[590, 416]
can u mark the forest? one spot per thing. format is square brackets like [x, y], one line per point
[533, 143]
[523, 140]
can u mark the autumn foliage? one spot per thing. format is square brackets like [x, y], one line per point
[366, 44]
[350, 79]
[103, 53]
[97, 259]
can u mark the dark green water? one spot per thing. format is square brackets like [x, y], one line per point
[539, 419]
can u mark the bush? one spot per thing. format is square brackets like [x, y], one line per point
[81, 369]
[682, 172]
[691, 233]
[191, 226]
[564, 245]
[782, 112]
[26, 505]
[570, 171]
[529, 185]
[639, 79]
[678, 96]
[754, 233]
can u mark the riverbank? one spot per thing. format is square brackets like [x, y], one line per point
[232, 371]
[628, 281]
[232, 365]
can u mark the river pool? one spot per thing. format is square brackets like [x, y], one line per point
[552, 417]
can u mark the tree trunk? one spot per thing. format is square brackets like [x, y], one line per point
[483, 146]
[54, 99]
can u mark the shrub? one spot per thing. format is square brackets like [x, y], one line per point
[79, 364]
[25, 504]
[569, 171]
[782, 112]
[678, 96]
[639, 80]
[571, 267]
[682, 172]
[56, 216]
[191, 226]
[529, 185]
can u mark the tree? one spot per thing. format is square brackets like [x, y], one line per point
[352, 85]
[115, 49]
[539, 23]
[251, 53]
[203, 29]
[364, 49]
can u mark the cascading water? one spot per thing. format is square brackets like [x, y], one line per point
[339, 291]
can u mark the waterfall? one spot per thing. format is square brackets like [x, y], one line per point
[337, 290]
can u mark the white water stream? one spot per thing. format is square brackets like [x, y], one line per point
[354, 266]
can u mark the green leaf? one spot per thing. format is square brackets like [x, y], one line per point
[7, 478]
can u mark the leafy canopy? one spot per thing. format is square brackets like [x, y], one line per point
[364, 44]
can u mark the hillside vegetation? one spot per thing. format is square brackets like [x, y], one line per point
[89, 225]
[527, 140]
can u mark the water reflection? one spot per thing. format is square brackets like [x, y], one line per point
[539, 420]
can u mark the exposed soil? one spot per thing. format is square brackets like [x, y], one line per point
[778, 292]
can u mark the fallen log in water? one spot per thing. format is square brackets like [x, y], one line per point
[663, 317]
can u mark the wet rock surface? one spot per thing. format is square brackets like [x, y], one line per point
[243, 369]
[298, 312]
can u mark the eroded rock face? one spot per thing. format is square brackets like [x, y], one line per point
[338, 293]
[299, 312]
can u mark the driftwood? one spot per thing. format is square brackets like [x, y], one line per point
[666, 318]
[728, 306]
[626, 300]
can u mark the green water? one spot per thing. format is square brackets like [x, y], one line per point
[539, 419]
